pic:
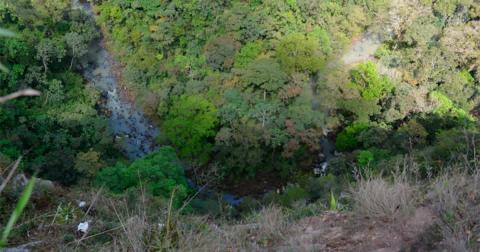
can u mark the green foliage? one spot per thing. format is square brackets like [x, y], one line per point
[264, 53]
[88, 163]
[422, 31]
[264, 74]
[320, 187]
[220, 52]
[299, 53]
[248, 53]
[291, 195]
[348, 138]
[8, 149]
[362, 109]
[365, 158]
[370, 84]
[446, 107]
[190, 124]
[382, 51]
[412, 134]
[333, 202]
[469, 79]
[323, 39]
[451, 144]
[63, 121]
[159, 173]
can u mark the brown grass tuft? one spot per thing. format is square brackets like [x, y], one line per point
[377, 198]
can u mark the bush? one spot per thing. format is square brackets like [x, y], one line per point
[189, 125]
[293, 194]
[321, 187]
[446, 107]
[348, 138]
[247, 54]
[300, 53]
[365, 158]
[455, 199]
[220, 52]
[375, 197]
[370, 83]
[160, 173]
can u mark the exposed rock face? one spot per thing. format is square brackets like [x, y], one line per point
[42, 186]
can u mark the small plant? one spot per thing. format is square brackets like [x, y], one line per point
[65, 214]
[27, 192]
[333, 202]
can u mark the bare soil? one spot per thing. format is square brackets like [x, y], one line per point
[344, 232]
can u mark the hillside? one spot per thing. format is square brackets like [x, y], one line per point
[262, 125]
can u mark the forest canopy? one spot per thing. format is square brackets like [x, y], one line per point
[161, 111]
[242, 88]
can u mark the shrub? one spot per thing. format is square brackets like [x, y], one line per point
[300, 53]
[465, 75]
[88, 163]
[293, 194]
[247, 54]
[365, 158]
[272, 225]
[348, 138]
[455, 199]
[375, 161]
[189, 125]
[220, 52]
[455, 144]
[369, 82]
[322, 186]
[160, 173]
[446, 107]
[375, 197]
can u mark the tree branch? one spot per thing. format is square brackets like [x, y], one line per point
[10, 174]
[23, 92]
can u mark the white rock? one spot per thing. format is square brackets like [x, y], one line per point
[83, 226]
[82, 204]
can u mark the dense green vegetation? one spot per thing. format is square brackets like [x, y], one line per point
[257, 63]
[244, 88]
[61, 127]
[271, 70]
[159, 173]
[244, 94]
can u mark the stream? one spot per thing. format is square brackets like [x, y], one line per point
[130, 127]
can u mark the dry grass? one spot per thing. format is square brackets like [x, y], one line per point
[456, 199]
[262, 231]
[377, 198]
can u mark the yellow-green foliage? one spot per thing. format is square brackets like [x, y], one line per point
[369, 82]
[446, 107]
[299, 53]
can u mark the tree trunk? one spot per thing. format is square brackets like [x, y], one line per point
[71, 61]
